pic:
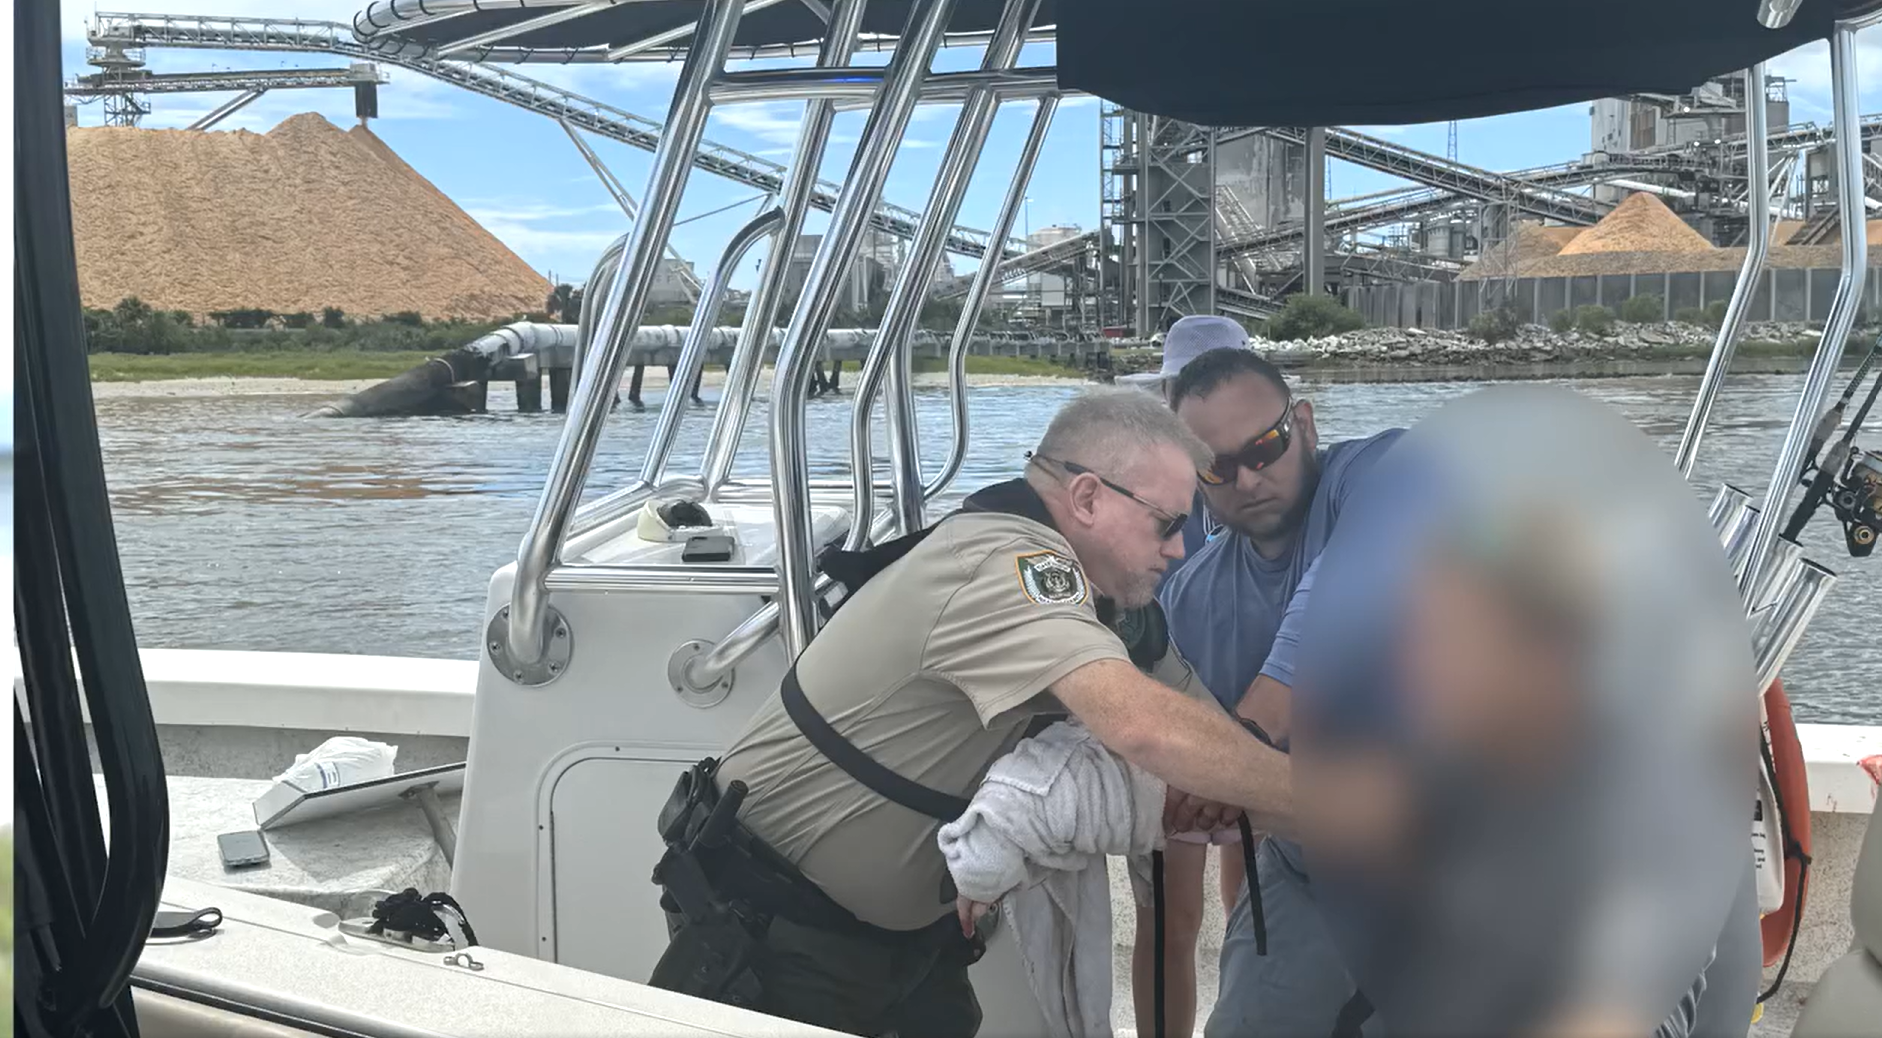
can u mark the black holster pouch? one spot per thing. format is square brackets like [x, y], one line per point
[714, 942]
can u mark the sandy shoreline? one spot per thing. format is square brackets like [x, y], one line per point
[656, 380]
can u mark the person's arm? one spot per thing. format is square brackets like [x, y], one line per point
[1193, 746]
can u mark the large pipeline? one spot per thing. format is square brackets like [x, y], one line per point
[455, 382]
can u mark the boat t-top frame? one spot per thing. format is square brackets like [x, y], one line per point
[705, 36]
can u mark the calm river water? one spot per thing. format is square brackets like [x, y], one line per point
[244, 526]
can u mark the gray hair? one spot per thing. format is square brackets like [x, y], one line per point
[1101, 428]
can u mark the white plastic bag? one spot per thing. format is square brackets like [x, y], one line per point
[340, 761]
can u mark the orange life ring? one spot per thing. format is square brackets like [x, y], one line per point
[1793, 789]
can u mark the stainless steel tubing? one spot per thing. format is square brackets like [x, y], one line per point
[541, 21]
[703, 671]
[692, 359]
[625, 500]
[984, 280]
[1780, 567]
[597, 288]
[1758, 180]
[761, 311]
[619, 313]
[1726, 504]
[706, 580]
[881, 137]
[858, 86]
[1849, 196]
[1736, 537]
[1790, 619]
[889, 361]
[673, 35]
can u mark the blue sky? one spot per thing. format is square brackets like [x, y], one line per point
[518, 174]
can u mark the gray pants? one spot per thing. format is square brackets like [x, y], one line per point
[1300, 985]
[1720, 1003]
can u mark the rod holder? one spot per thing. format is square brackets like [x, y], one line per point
[1793, 613]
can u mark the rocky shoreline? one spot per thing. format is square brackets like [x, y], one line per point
[1420, 354]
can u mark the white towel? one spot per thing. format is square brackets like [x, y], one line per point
[1035, 838]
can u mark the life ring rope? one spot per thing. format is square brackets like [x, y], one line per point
[1783, 760]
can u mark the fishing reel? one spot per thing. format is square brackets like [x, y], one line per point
[1856, 498]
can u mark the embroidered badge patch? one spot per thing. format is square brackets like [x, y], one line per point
[1049, 578]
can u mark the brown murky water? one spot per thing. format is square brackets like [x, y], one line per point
[243, 526]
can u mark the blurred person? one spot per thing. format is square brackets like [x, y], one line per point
[1523, 746]
[1233, 611]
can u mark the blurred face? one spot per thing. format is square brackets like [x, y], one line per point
[1253, 493]
[1126, 531]
[1485, 683]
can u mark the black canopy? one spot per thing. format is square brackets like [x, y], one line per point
[789, 22]
[1334, 62]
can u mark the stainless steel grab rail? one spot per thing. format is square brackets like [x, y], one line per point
[1757, 176]
[523, 634]
[881, 138]
[984, 280]
[692, 359]
[889, 362]
[761, 312]
[1849, 195]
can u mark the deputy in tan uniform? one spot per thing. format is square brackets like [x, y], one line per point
[1036, 598]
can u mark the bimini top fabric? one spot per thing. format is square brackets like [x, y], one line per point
[411, 23]
[1363, 62]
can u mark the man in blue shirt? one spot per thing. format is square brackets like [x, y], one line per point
[1234, 611]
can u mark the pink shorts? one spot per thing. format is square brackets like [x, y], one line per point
[1219, 837]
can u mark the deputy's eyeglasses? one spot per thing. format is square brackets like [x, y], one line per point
[1169, 523]
[1257, 454]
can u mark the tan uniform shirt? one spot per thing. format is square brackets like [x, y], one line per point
[933, 668]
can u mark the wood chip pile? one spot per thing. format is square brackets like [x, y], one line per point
[1516, 255]
[1641, 223]
[1641, 236]
[303, 217]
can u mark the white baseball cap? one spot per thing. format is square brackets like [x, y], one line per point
[1188, 339]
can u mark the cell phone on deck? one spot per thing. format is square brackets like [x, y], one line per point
[242, 850]
[707, 547]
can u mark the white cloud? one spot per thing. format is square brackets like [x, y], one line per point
[1809, 68]
[775, 122]
[1081, 101]
[484, 210]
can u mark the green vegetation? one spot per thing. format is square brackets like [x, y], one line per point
[1494, 326]
[1711, 316]
[358, 364]
[1002, 366]
[1562, 322]
[1313, 316]
[309, 364]
[1594, 320]
[1646, 309]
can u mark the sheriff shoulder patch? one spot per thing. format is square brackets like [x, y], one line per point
[1049, 578]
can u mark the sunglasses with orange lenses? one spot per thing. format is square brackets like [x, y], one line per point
[1257, 454]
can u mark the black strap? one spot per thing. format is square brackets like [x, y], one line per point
[1257, 915]
[860, 766]
[1157, 911]
[1353, 1016]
